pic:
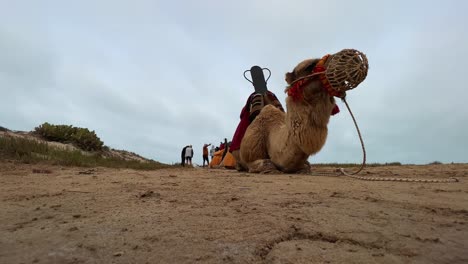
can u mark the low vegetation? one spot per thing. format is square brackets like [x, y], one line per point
[33, 151]
[79, 137]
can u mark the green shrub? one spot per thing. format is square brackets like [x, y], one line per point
[80, 137]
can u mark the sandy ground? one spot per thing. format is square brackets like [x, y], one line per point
[75, 215]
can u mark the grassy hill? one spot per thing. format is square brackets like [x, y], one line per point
[34, 147]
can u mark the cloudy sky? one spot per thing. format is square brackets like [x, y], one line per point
[153, 76]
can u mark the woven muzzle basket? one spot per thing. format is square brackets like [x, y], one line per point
[346, 69]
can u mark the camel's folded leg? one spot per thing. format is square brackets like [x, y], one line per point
[240, 166]
[262, 166]
[306, 168]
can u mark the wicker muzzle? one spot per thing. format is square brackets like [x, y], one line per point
[346, 69]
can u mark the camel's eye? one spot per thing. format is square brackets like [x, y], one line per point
[310, 67]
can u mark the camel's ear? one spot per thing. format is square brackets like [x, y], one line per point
[290, 77]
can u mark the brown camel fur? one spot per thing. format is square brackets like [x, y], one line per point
[284, 141]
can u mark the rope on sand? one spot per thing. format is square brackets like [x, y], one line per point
[341, 171]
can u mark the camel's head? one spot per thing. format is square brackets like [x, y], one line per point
[333, 75]
[304, 68]
[302, 88]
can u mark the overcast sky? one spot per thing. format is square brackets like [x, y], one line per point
[153, 76]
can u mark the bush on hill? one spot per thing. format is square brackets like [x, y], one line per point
[80, 137]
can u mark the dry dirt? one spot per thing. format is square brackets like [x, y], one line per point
[75, 215]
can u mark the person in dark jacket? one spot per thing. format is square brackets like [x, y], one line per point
[182, 155]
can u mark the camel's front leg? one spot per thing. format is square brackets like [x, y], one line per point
[240, 165]
[262, 166]
[306, 169]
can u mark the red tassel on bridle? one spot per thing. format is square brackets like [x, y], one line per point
[296, 91]
[319, 69]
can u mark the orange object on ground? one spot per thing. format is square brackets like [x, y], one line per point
[229, 162]
[217, 158]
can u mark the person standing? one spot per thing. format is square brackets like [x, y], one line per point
[189, 155]
[221, 145]
[182, 156]
[212, 151]
[205, 155]
[226, 148]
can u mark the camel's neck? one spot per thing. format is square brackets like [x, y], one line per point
[307, 123]
[304, 132]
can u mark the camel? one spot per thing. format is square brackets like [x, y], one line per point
[278, 141]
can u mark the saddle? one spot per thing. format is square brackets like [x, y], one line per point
[255, 103]
[261, 97]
